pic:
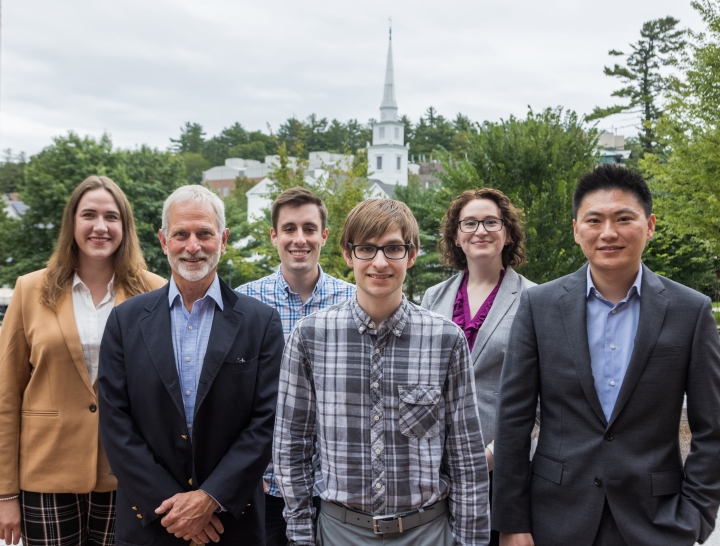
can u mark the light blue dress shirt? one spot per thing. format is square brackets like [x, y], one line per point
[611, 336]
[190, 336]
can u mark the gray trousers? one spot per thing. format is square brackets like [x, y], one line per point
[331, 532]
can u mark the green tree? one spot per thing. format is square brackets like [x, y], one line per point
[644, 82]
[12, 170]
[192, 139]
[428, 206]
[195, 164]
[536, 162]
[252, 150]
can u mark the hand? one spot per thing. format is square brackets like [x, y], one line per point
[188, 514]
[211, 532]
[490, 459]
[266, 487]
[10, 521]
[516, 539]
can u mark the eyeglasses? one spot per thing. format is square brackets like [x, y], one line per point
[391, 252]
[490, 224]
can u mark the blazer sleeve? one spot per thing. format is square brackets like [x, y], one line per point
[243, 464]
[519, 389]
[702, 467]
[131, 459]
[14, 377]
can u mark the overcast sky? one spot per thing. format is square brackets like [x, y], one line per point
[139, 69]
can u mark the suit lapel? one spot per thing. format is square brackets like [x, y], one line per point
[225, 327]
[653, 306]
[156, 330]
[446, 303]
[68, 326]
[503, 301]
[574, 316]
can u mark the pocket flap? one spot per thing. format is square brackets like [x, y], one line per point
[423, 395]
[547, 468]
[667, 483]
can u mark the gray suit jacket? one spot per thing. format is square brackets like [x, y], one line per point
[633, 460]
[491, 341]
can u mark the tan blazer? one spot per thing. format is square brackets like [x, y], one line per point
[48, 408]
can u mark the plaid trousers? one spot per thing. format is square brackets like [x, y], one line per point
[68, 519]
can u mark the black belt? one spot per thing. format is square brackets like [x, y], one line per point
[391, 523]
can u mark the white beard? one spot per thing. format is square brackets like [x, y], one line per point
[193, 273]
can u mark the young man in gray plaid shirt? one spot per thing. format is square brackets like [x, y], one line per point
[386, 391]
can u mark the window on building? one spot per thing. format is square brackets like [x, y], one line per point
[397, 133]
[226, 192]
[382, 132]
[399, 162]
[379, 163]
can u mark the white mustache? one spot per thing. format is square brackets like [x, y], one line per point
[198, 255]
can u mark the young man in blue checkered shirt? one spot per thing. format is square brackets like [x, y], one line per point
[297, 289]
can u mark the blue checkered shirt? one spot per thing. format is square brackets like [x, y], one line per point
[274, 291]
[190, 336]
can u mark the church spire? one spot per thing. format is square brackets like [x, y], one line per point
[388, 108]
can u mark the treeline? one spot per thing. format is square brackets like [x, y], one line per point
[314, 134]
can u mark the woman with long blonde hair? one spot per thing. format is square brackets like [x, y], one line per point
[55, 482]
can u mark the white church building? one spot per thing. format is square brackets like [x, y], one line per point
[387, 158]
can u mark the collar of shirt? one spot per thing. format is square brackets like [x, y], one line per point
[78, 284]
[213, 292]
[396, 323]
[285, 287]
[634, 289]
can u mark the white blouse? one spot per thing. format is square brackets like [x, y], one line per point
[91, 321]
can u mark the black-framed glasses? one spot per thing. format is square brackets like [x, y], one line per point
[368, 252]
[490, 224]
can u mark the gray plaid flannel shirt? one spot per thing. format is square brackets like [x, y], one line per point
[394, 414]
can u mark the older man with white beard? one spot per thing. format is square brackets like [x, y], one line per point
[188, 385]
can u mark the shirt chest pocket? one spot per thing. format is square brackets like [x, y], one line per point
[419, 410]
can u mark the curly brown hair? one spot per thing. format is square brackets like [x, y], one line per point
[513, 253]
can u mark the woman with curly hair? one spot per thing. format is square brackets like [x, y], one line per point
[482, 238]
[56, 487]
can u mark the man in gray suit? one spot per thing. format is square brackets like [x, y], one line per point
[610, 350]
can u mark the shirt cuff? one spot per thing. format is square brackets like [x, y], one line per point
[220, 508]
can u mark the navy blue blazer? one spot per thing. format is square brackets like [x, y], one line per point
[142, 420]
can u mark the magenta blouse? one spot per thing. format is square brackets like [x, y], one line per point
[461, 311]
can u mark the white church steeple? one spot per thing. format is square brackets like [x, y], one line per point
[388, 155]
[388, 108]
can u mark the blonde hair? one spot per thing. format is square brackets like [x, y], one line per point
[375, 217]
[64, 262]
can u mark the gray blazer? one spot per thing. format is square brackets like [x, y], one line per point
[491, 341]
[631, 460]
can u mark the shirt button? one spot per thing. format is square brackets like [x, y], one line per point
[378, 486]
[188, 393]
[371, 325]
[614, 311]
[376, 384]
[187, 359]
[612, 346]
[377, 351]
[612, 383]
[189, 327]
[377, 452]
[377, 417]
[397, 332]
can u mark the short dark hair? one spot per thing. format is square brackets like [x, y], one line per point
[513, 253]
[297, 197]
[611, 176]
